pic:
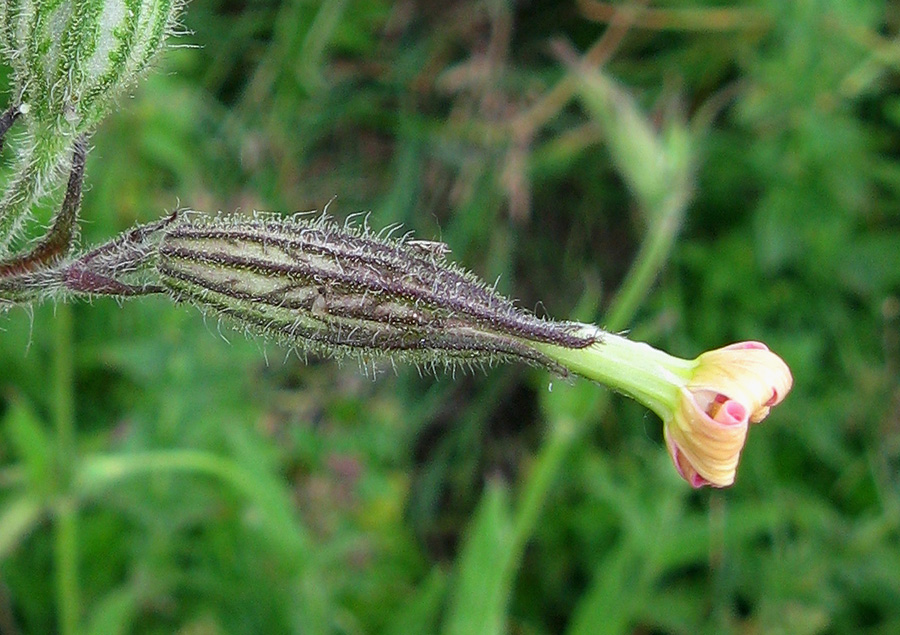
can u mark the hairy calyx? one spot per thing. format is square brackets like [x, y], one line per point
[339, 290]
[316, 286]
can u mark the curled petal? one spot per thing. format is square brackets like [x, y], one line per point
[747, 372]
[729, 389]
[705, 438]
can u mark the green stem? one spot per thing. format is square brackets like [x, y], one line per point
[653, 253]
[66, 545]
[66, 525]
[539, 482]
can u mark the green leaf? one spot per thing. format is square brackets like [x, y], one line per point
[481, 590]
[871, 264]
[270, 499]
[419, 615]
[17, 519]
[608, 605]
[31, 443]
[114, 614]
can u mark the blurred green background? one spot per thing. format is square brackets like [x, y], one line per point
[219, 485]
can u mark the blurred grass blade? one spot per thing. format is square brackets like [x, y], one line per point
[317, 38]
[31, 443]
[278, 519]
[273, 502]
[419, 616]
[481, 588]
[656, 163]
[607, 607]
[18, 518]
[114, 614]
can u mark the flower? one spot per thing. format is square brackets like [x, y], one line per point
[730, 388]
[706, 404]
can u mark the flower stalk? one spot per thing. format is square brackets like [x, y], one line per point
[635, 369]
[338, 290]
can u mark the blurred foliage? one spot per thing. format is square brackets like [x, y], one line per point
[224, 488]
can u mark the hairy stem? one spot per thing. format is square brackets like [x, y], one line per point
[37, 169]
[57, 242]
[7, 119]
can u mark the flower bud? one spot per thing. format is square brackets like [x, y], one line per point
[337, 290]
[72, 59]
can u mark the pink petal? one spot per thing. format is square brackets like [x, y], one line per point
[732, 413]
[684, 467]
[751, 345]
